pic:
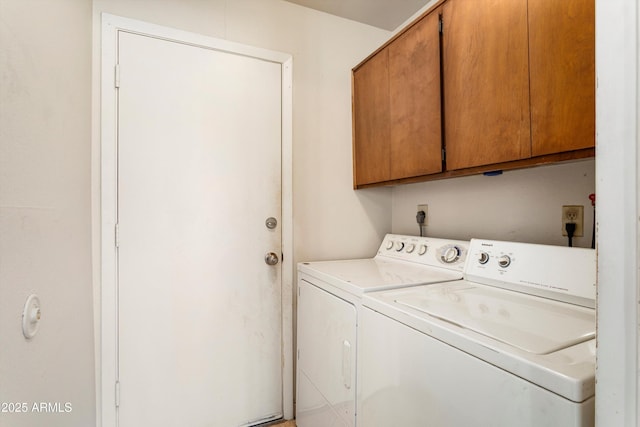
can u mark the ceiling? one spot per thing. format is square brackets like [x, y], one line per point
[385, 14]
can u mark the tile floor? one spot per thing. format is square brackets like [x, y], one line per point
[291, 423]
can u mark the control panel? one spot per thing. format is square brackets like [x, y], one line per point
[556, 272]
[425, 250]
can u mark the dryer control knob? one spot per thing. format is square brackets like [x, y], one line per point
[422, 250]
[399, 246]
[483, 258]
[389, 245]
[411, 248]
[451, 254]
[504, 261]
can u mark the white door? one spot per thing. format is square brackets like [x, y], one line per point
[199, 310]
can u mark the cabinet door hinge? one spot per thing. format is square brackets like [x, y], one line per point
[116, 79]
[117, 235]
[440, 25]
[117, 394]
[444, 154]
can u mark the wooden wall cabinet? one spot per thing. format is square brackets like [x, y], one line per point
[486, 82]
[396, 108]
[517, 86]
[414, 87]
[371, 125]
[562, 70]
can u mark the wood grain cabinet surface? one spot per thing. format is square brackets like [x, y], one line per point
[396, 115]
[505, 84]
[414, 87]
[562, 69]
[371, 125]
[486, 82]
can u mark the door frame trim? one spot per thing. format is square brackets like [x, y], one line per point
[106, 341]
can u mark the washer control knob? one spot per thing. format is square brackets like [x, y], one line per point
[504, 261]
[483, 258]
[422, 250]
[399, 246]
[389, 245]
[410, 248]
[451, 255]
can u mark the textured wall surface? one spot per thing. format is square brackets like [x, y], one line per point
[45, 211]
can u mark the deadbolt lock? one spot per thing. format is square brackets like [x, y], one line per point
[271, 223]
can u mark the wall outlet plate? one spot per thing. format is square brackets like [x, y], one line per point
[426, 212]
[575, 214]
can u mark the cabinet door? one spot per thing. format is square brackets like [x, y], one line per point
[414, 86]
[486, 82]
[562, 64]
[371, 153]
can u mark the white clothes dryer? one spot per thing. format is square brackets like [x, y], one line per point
[513, 344]
[328, 315]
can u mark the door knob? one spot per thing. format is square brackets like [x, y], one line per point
[271, 258]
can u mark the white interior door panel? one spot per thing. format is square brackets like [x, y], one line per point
[199, 171]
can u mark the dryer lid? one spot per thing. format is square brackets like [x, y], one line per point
[375, 274]
[530, 323]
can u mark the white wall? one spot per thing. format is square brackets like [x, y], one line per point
[521, 205]
[45, 102]
[618, 186]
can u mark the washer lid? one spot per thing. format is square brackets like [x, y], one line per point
[367, 275]
[533, 324]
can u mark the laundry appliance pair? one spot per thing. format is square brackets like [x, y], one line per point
[447, 333]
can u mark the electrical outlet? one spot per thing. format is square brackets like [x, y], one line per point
[426, 212]
[575, 214]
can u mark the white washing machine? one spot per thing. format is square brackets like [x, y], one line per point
[513, 344]
[329, 304]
